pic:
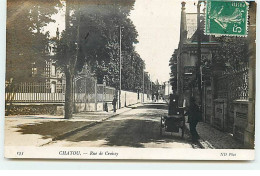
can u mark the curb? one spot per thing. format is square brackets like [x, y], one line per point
[69, 133]
[205, 144]
[201, 142]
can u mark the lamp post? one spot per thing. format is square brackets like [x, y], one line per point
[149, 87]
[199, 51]
[143, 84]
[120, 66]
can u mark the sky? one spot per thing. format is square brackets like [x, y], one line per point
[158, 26]
[59, 22]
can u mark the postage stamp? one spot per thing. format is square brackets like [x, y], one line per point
[227, 18]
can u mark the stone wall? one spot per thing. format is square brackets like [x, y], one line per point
[127, 98]
[81, 107]
[33, 109]
[208, 105]
[240, 119]
[220, 118]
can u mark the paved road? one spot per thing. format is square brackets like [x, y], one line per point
[135, 126]
[138, 127]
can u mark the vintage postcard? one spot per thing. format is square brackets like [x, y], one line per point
[130, 79]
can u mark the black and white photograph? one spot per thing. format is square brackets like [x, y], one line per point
[130, 79]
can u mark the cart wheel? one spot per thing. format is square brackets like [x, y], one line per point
[161, 127]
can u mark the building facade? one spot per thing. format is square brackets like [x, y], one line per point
[224, 91]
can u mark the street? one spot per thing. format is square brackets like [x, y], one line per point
[138, 126]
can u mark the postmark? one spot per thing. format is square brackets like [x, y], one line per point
[228, 18]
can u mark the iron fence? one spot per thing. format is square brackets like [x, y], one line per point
[86, 90]
[233, 85]
[35, 93]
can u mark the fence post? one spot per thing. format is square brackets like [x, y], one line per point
[125, 99]
[95, 95]
[103, 93]
[74, 86]
[103, 97]
[85, 94]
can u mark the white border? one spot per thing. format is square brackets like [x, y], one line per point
[15, 164]
[116, 153]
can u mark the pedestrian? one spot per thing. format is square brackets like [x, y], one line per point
[173, 105]
[105, 107]
[114, 103]
[194, 116]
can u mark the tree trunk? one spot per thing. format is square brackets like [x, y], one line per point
[70, 67]
[68, 95]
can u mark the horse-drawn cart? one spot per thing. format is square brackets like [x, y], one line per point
[173, 123]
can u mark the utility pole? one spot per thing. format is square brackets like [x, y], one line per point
[143, 86]
[149, 88]
[120, 67]
[199, 51]
[169, 88]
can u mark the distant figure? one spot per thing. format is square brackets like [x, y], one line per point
[114, 103]
[194, 116]
[154, 98]
[105, 107]
[172, 105]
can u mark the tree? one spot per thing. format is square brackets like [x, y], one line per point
[232, 53]
[90, 37]
[112, 19]
[26, 42]
[139, 66]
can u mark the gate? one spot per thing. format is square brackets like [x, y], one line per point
[90, 96]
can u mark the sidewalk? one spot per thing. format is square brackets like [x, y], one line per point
[82, 116]
[212, 138]
[99, 116]
[38, 130]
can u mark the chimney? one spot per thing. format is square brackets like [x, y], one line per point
[183, 27]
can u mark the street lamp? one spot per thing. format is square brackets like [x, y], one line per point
[120, 66]
[149, 87]
[120, 62]
[143, 84]
[198, 73]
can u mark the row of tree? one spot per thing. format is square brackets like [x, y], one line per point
[95, 31]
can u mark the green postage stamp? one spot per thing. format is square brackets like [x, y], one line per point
[227, 18]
